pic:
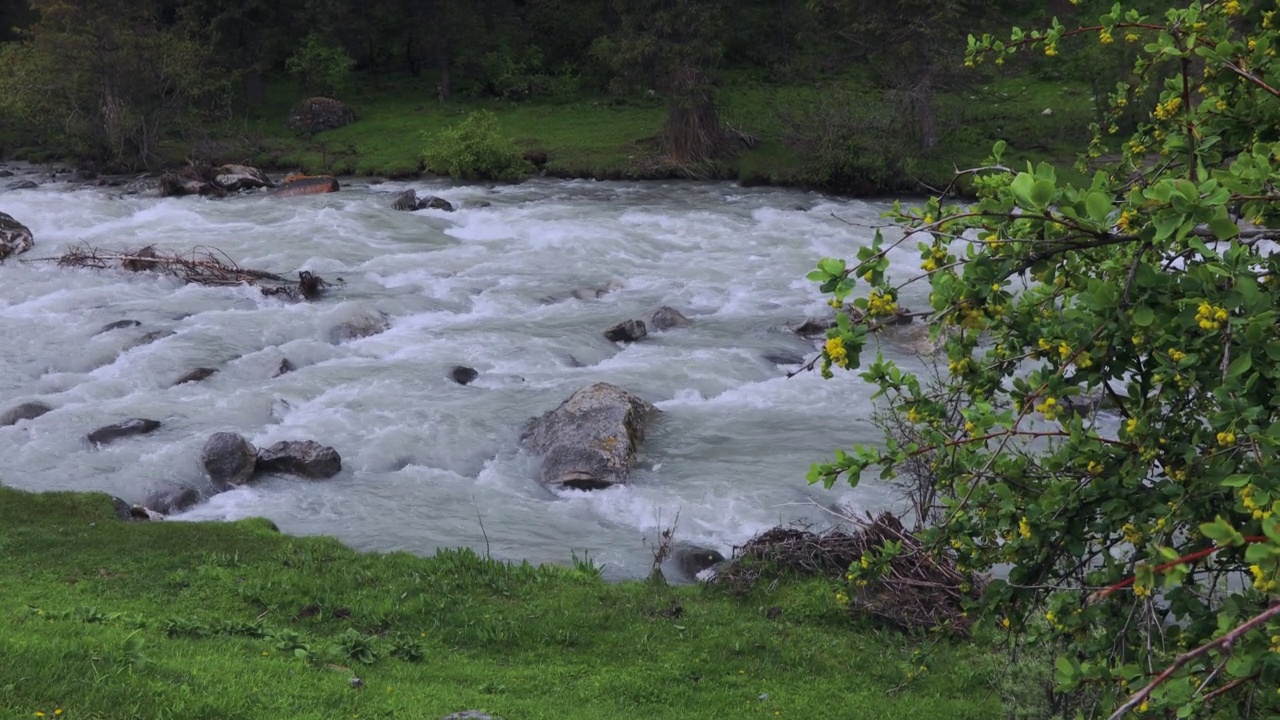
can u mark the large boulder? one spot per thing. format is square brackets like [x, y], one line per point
[133, 426]
[228, 459]
[318, 114]
[692, 559]
[295, 185]
[463, 375]
[237, 178]
[590, 441]
[306, 458]
[406, 201]
[23, 411]
[431, 202]
[15, 238]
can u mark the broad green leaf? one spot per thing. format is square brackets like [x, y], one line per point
[1098, 206]
[1143, 316]
[1239, 366]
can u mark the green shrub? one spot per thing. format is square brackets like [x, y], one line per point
[476, 150]
[321, 65]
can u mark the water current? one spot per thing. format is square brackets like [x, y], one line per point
[427, 461]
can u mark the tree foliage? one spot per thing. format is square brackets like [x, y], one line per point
[1106, 424]
[476, 149]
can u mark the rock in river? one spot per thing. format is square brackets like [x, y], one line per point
[463, 374]
[306, 458]
[196, 375]
[172, 498]
[306, 185]
[133, 426]
[15, 238]
[667, 317]
[24, 411]
[627, 331]
[590, 441]
[228, 459]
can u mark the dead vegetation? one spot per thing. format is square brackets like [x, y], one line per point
[920, 589]
[202, 266]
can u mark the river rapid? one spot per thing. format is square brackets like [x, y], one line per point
[429, 463]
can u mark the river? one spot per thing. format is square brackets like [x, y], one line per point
[429, 463]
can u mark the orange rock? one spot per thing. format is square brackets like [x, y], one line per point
[296, 184]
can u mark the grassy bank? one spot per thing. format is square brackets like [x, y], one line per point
[102, 619]
[597, 137]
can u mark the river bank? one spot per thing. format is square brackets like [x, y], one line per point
[103, 619]
[606, 138]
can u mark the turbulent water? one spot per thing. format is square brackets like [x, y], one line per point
[429, 463]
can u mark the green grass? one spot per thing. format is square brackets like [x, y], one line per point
[102, 619]
[607, 138]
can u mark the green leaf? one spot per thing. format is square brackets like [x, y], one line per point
[1143, 316]
[1098, 206]
[1021, 189]
[1042, 192]
[1236, 481]
[818, 276]
[1239, 366]
[1223, 228]
[831, 266]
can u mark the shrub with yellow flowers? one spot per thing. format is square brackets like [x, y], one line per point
[1113, 348]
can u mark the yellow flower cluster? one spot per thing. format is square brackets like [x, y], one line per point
[1176, 355]
[1048, 408]
[1260, 580]
[1094, 468]
[959, 367]
[1226, 439]
[1132, 535]
[1024, 528]
[1231, 7]
[842, 598]
[1131, 426]
[837, 353]
[1210, 317]
[1141, 590]
[1168, 109]
[1051, 50]
[1125, 223]
[1260, 512]
[1105, 38]
[880, 304]
[937, 258]
[1131, 37]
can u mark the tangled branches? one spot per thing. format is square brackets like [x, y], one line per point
[912, 589]
[203, 266]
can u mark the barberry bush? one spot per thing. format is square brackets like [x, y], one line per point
[1104, 433]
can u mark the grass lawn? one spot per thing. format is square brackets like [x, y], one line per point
[106, 620]
[607, 138]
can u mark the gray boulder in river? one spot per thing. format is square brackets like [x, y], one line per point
[15, 238]
[133, 426]
[667, 317]
[172, 498]
[590, 441]
[228, 459]
[24, 411]
[306, 458]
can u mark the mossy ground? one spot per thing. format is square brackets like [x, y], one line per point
[101, 619]
[599, 137]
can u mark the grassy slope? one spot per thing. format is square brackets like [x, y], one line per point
[109, 620]
[601, 138]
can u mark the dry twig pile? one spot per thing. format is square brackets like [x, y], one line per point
[920, 590]
[203, 266]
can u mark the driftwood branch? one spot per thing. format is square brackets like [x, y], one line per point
[202, 266]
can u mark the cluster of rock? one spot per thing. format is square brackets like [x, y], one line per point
[664, 318]
[409, 201]
[224, 180]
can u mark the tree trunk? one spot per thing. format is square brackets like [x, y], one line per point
[693, 132]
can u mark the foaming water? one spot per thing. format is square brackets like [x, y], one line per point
[427, 462]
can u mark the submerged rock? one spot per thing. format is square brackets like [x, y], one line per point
[306, 458]
[365, 325]
[667, 317]
[118, 325]
[130, 427]
[15, 238]
[590, 441]
[463, 374]
[172, 498]
[24, 411]
[196, 375]
[435, 203]
[627, 331]
[189, 182]
[23, 184]
[286, 366]
[782, 357]
[228, 459]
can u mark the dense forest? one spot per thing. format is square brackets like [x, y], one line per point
[112, 80]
